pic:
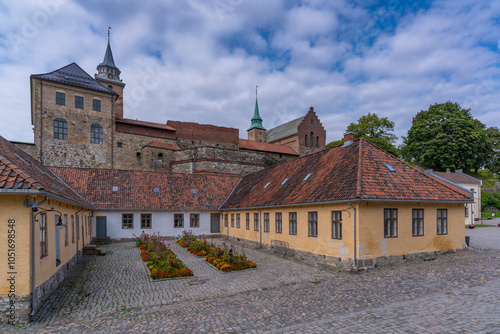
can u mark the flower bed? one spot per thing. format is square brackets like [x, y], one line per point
[162, 262]
[225, 258]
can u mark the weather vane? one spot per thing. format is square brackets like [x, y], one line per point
[109, 29]
[256, 90]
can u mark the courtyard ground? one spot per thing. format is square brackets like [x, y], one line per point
[456, 293]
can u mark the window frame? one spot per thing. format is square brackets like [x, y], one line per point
[194, 220]
[312, 224]
[226, 222]
[248, 221]
[337, 225]
[79, 102]
[146, 219]
[72, 229]
[232, 220]
[278, 222]
[44, 250]
[417, 223]
[391, 222]
[61, 98]
[442, 221]
[60, 127]
[237, 220]
[65, 222]
[292, 223]
[127, 221]
[178, 220]
[96, 134]
[267, 227]
[96, 106]
[255, 221]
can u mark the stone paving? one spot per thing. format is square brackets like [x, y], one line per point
[456, 293]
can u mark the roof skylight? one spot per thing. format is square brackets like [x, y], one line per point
[307, 177]
[193, 191]
[268, 183]
[284, 181]
[115, 189]
[157, 190]
[390, 168]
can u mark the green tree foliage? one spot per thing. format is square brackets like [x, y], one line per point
[444, 136]
[374, 129]
[490, 200]
[493, 158]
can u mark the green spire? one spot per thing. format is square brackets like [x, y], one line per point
[256, 120]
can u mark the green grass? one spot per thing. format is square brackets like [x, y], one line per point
[486, 214]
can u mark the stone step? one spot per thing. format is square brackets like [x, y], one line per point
[101, 240]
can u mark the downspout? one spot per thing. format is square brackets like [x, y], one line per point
[33, 261]
[355, 245]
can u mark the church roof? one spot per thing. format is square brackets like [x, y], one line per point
[283, 131]
[357, 172]
[108, 58]
[73, 75]
[266, 147]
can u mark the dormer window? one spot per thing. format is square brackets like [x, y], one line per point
[307, 176]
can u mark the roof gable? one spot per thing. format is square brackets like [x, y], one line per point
[457, 177]
[74, 75]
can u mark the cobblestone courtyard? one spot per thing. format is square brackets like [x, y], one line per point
[456, 293]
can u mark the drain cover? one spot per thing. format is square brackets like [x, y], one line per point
[197, 282]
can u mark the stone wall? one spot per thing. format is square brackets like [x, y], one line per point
[190, 131]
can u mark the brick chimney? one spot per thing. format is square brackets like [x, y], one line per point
[348, 138]
[447, 170]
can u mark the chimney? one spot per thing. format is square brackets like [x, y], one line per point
[447, 170]
[417, 167]
[348, 138]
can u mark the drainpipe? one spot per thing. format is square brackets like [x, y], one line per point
[34, 208]
[355, 245]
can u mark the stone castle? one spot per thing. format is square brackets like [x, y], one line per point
[78, 122]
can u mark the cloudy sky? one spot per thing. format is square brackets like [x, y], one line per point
[200, 60]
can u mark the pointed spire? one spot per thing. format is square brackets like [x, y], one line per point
[107, 69]
[256, 120]
[108, 56]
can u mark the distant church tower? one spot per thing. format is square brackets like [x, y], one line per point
[256, 132]
[108, 75]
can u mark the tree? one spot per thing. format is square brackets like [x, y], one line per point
[493, 158]
[444, 136]
[374, 129]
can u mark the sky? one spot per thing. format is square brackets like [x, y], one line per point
[201, 60]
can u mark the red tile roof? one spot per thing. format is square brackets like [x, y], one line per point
[457, 177]
[166, 146]
[353, 172]
[145, 124]
[136, 188]
[266, 147]
[19, 171]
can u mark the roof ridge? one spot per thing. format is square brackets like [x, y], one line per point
[19, 171]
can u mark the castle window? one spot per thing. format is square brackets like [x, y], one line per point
[160, 157]
[96, 105]
[79, 102]
[317, 141]
[312, 139]
[110, 87]
[138, 155]
[305, 141]
[96, 134]
[60, 129]
[119, 144]
[60, 98]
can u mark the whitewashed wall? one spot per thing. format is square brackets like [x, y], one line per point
[162, 222]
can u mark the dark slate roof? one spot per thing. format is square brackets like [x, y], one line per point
[136, 188]
[353, 172]
[266, 147]
[20, 172]
[73, 75]
[108, 58]
[284, 130]
[456, 177]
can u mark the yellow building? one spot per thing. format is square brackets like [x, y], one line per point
[45, 226]
[352, 204]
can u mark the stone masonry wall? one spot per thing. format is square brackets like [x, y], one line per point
[311, 124]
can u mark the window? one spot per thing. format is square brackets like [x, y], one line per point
[43, 235]
[278, 222]
[146, 220]
[305, 141]
[225, 220]
[178, 220]
[60, 98]
[160, 157]
[466, 212]
[248, 221]
[293, 223]
[119, 144]
[96, 104]
[417, 222]
[60, 129]
[390, 223]
[72, 229]
[336, 224]
[194, 220]
[77, 227]
[266, 222]
[96, 134]
[232, 220]
[65, 222]
[313, 224]
[127, 220]
[312, 139]
[237, 220]
[255, 221]
[317, 141]
[442, 221]
[78, 102]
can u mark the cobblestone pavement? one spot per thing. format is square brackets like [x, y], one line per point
[456, 293]
[485, 237]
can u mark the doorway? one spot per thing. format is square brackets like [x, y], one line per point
[101, 227]
[214, 223]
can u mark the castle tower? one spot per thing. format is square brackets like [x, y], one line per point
[256, 132]
[108, 75]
